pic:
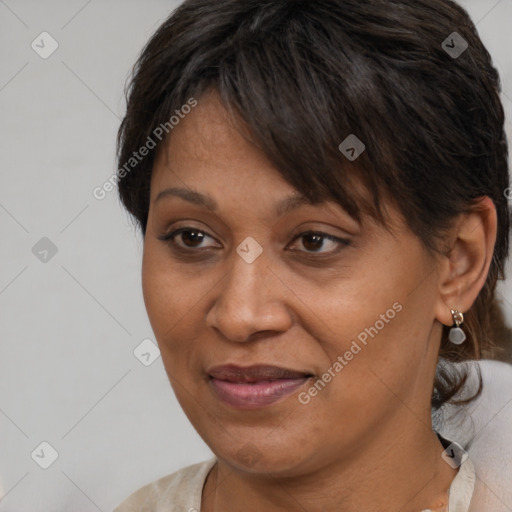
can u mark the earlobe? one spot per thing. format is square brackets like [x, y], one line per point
[465, 267]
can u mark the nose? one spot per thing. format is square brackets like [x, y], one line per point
[251, 301]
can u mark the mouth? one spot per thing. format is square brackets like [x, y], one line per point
[256, 386]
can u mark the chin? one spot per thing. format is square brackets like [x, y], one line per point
[262, 457]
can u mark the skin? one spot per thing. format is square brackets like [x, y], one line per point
[365, 442]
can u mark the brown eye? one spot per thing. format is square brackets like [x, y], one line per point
[313, 242]
[192, 238]
[317, 242]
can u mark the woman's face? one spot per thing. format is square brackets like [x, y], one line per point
[291, 334]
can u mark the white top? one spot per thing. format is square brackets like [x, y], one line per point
[462, 487]
[179, 492]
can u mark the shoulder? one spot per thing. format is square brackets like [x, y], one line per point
[178, 491]
[491, 410]
[484, 428]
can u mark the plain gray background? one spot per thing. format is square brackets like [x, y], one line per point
[70, 321]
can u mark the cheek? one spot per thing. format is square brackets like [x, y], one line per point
[391, 358]
[170, 298]
[379, 321]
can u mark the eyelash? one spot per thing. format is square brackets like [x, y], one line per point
[342, 242]
[170, 239]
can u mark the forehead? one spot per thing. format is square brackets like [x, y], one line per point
[212, 151]
[207, 127]
[210, 144]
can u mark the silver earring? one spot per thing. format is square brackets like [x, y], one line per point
[457, 335]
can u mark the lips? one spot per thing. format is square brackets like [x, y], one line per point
[255, 386]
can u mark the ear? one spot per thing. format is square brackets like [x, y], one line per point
[465, 265]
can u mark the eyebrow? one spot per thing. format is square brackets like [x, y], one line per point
[188, 195]
[284, 206]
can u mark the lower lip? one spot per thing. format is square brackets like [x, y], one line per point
[255, 396]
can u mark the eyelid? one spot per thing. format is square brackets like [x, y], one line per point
[320, 232]
[176, 225]
[173, 233]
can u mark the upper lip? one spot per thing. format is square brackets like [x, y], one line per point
[255, 373]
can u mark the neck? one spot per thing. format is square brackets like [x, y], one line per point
[402, 470]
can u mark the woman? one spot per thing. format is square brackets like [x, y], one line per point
[320, 186]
